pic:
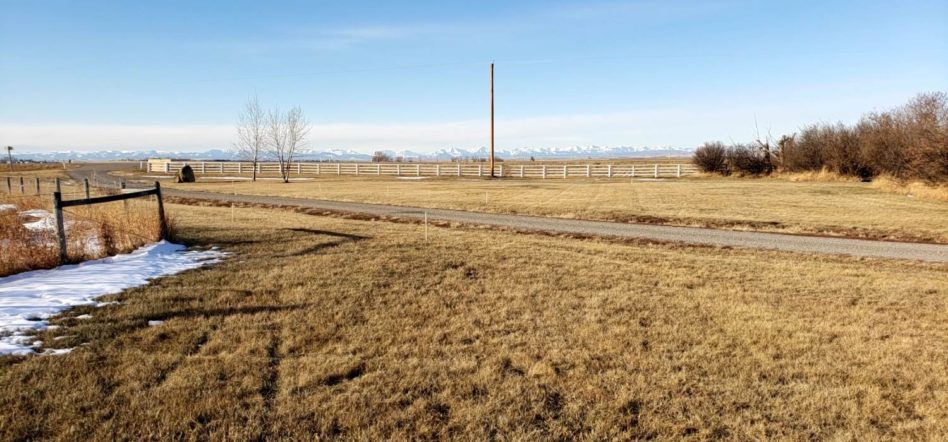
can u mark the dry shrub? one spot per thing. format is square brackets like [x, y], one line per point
[712, 158]
[746, 159]
[908, 143]
[916, 189]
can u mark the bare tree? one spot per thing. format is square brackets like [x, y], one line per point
[251, 133]
[287, 132]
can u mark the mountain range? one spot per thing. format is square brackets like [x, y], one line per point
[574, 152]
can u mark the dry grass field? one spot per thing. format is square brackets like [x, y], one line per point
[321, 327]
[834, 208]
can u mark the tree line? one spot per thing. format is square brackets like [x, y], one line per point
[908, 143]
[270, 134]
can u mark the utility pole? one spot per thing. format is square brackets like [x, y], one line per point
[10, 148]
[492, 119]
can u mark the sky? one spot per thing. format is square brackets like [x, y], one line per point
[83, 76]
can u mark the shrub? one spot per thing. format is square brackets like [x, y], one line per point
[748, 160]
[712, 157]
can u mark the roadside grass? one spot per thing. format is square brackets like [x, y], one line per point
[830, 208]
[321, 327]
[91, 231]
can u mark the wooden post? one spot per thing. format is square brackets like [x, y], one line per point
[656, 171]
[418, 170]
[203, 167]
[9, 185]
[521, 171]
[398, 170]
[22, 187]
[544, 171]
[609, 171]
[85, 184]
[338, 169]
[163, 226]
[58, 187]
[378, 169]
[501, 170]
[317, 168]
[240, 167]
[437, 170]
[679, 171]
[492, 120]
[480, 170]
[587, 171]
[459, 169]
[60, 227]
[565, 171]
[633, 171]
[299, 168]
[37, 185]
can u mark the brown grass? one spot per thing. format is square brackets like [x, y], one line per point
[915, 189]
[92, 231]
[329, 328]
[834, 208]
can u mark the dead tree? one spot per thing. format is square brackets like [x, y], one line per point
[251, 133]
[287, 133]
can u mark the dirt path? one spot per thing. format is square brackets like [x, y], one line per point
[689, 235]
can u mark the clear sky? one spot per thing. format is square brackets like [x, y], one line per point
[414, 74]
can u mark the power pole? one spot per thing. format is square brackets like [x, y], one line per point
[10, 152]
[492, 119]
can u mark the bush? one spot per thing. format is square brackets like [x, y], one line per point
[748, 160]
[712, 158]
[908, 143]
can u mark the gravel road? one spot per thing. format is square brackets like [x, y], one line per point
[690, 235]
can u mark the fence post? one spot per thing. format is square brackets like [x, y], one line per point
[338, 169]
[378, 169]
[85, 184]
[167, 167]
[37, 185]
[480, 170]
[633, 171]
[22, 187]
[317, 168]
[203, 167]
[418, 170]
[437, 170]
[239, 167]
[521, 171]
[58, 187]
[679, 171]
[459, 169]
[565, 171]
[587, 170]
[656, 171]
[501, 170]
[60, 227]
[9, 185]
[609, 171]
[162, 225]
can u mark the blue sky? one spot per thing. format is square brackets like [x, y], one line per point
[413, 75]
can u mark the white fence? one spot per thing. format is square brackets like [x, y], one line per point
[444, 170]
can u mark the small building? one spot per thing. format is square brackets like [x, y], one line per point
[158, 164]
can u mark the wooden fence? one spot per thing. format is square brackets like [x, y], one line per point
[540, 171]
[59, 204]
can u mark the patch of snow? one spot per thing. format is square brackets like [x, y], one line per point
[87, 316]
[57, 351]
[155, 323]
[7, 207]
[28, 299]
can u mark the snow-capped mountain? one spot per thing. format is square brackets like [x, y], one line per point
[572, 152]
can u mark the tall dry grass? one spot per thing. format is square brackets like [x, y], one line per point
[92, 232]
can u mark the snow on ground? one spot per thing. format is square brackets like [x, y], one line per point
[46, 223]
[7, 207]
[28, 299]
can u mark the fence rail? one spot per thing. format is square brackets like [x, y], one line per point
[541, 171]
